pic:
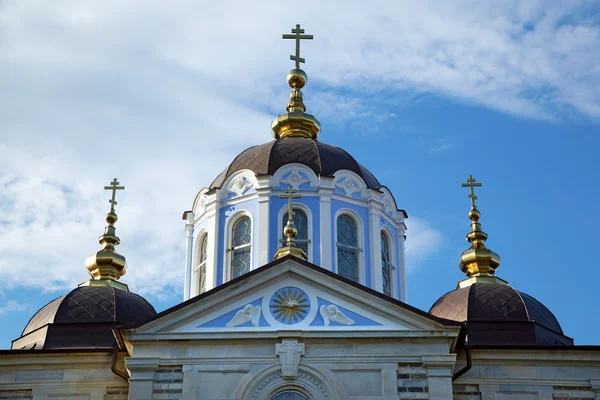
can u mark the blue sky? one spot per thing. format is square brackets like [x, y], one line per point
[423, 95]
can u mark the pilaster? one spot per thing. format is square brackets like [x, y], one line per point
[401, 269]
[263, 190]
[212, 244]
[439, 375]
[189, 230]
[325, 194]
[141, 377]
[375, 235]
[595, 384]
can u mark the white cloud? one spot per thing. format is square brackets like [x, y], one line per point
[13, 305]
[162, 96]
[422, 241]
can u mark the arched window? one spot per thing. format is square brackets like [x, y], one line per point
[386, 265]
[241, 244]
[347, 247]
[289, 395]
[200, 270]
[301, 221]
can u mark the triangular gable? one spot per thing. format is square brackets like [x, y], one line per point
[292, 294]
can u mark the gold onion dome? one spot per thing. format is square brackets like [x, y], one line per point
[296, 122]
[107, 266]
[478, 262]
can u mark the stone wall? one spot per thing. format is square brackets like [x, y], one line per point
[116, 393]
[15, 394]
[168, 383]
[412, 382]
[466, 392]
[573, 394]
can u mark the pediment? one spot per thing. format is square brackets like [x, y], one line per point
[291, 294]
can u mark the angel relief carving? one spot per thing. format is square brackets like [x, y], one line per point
[332, 313]
[249, 313]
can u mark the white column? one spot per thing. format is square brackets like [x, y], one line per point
[189, 230]
[212, 244]
[375, 238]
[325, 228]
[401, 269]
[263, 190]
[439, 375]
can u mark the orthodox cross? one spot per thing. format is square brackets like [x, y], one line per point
[297, 36]
[289, 194]
[114, 186]
[471, 184]
[289, 352]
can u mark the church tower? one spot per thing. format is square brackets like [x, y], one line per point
[347, 222]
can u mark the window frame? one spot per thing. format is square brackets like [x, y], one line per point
[393, 257]
[307, 211]
[231, 221]
[360, 238]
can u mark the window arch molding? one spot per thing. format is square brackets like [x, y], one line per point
[309, 216]
[233, 218]
[360, 235]
[393, 260]
[202, 235]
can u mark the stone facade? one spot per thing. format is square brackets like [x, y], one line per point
[39, 375]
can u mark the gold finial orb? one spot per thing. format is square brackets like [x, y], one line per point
[297, 78]
[474, 214]
[290, 230]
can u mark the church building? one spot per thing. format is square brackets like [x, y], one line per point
[295, 289]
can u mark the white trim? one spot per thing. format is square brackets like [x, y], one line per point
[227, 243]
[401, 268]
[360, 226]
[393, 256]
[189, 249]
[309, 215]
[327, 260]
[264, 206]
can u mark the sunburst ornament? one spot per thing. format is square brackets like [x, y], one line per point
[289, 305]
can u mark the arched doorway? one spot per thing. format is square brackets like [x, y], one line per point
[289, 395]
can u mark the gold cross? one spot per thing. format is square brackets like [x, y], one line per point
[289, 194]
[114, 186]
[297, 37]
[471, 184]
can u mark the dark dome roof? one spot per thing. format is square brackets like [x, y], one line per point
[323, 159]
[496, 304]
[83, 318]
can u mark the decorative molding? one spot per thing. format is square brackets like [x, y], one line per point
[289, 352]
[348, 185]
[239, 185]
[295, 179]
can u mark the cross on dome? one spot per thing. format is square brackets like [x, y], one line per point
[297, 36]
[471, 184]
[114, 186]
